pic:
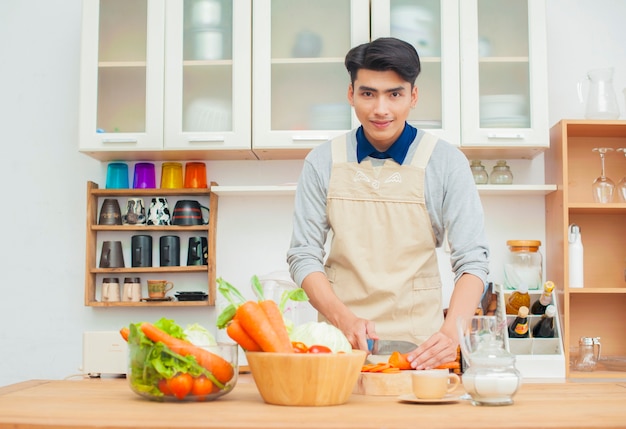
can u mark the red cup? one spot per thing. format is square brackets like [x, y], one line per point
[195, 175]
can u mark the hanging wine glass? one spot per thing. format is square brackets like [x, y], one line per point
[621, 185]
[603, 187]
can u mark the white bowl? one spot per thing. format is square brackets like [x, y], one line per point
[502, 106]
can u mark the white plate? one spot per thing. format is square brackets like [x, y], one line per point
[448, 399]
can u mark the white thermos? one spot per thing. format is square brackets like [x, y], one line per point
[575, 257]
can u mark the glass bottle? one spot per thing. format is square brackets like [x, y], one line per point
[517, 299]
[545, 327]
[539, 306]
[480, 174]
[501, 174]
[519, 327]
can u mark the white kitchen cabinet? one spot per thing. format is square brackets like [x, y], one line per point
[483, 84]
[432, 26]
[300, 81]
[165, 80]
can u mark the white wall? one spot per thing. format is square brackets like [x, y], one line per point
[42, 316]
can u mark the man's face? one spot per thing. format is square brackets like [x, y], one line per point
[382, 101]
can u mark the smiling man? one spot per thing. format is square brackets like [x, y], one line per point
[388, 193]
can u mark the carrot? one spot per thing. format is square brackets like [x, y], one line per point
[380, 367]
[391, 370]
[449, 365]
[125, 332]
[241, 337]
[220, 368]
[399, 360]
[270, 308]
[257, 325]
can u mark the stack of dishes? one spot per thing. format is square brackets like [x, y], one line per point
[504, 111]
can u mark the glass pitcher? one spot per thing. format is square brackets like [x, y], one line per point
[601, 99]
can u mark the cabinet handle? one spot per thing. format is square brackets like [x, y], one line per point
[215, 139]
[119, 140]
[505, 136]
[310, 138]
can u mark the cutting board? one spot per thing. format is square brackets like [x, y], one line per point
[378, 384]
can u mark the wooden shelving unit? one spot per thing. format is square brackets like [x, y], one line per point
[597, 309]
[93, 272]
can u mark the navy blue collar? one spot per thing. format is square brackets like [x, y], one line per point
[397, 151]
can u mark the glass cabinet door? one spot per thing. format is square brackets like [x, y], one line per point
[122, 74]
[300, 81]
[503, 69]
[432, 27]
[208, 88]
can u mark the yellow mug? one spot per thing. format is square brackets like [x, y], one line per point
[158, 288]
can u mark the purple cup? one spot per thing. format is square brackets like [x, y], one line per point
[144, 176]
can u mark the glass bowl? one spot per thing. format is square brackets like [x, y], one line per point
[157, 373]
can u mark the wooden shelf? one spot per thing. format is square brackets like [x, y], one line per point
[173, 303]
[92, 271]
[597, 309]
[250, 191]
[140, 270]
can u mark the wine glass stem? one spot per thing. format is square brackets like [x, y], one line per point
[602, 163]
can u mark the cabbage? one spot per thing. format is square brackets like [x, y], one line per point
[199, 335]
[323, 334]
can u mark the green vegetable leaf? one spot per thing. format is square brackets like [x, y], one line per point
[226, 316]
[296, 294]
[257, 287]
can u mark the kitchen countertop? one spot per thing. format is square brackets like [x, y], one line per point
[109, 403]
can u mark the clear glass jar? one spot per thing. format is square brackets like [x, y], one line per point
[523, 265]
[501, 174]
[491, 377]
[480, 174]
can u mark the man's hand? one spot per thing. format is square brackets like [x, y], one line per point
[435, 351]
[358, 331]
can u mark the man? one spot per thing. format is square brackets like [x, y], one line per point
[388, 193]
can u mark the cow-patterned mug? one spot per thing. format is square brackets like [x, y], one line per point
[159, 212]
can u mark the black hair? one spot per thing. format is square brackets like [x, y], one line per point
[382, 54]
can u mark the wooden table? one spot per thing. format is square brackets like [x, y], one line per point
[109, 403]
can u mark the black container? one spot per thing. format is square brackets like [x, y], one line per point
[169, 247]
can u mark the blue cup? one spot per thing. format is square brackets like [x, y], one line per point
[117, 176]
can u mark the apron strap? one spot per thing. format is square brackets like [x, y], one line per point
[338, 146]
[424, 150]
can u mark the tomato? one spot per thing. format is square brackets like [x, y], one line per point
[299, 347]
[319, 349]
[202, 386]
[180, 385]
[163, 387]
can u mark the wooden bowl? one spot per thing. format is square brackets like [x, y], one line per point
[305, 379]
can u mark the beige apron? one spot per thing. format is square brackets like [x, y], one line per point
[382, 263]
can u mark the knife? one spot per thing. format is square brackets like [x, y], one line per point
[386, 347]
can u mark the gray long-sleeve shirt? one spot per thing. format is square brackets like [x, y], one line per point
[451, 197]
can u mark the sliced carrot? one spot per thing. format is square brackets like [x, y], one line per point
[125, 332]
[391, 370]
[449, 365]
[367, 367]
[257, 325]
[380, 367]
[241, 337]
[399, 360]
[216, 365]
[271, 310]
